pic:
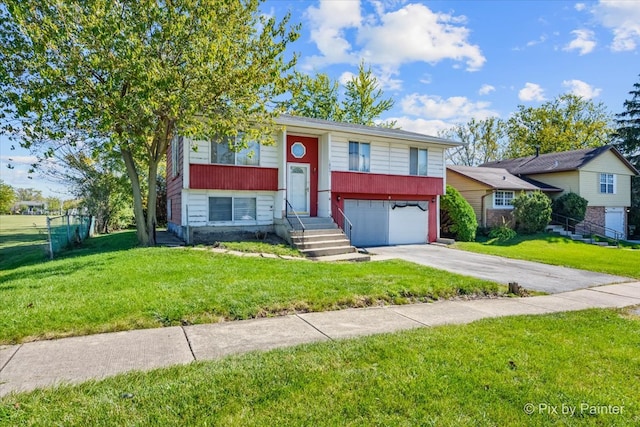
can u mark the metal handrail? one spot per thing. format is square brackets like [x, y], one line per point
[296, 215]
[588, 226]
[346, 219]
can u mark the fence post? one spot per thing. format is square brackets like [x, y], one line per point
[68, 231]
[50, 242]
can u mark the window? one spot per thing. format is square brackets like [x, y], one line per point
[222, 152]
[607, 183]
[169, 209]
[417, 161]
[502, 199]
[359, 156]
[232, 209]
[175, 157]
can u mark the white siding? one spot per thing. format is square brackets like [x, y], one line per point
[435, 166]
[399, 159]
[199, 152]
[339, 154]
[379, 157]
[197, 207]
[269, 156]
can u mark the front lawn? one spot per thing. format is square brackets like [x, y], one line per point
[558, 250]
[109, 285]
[576, 368]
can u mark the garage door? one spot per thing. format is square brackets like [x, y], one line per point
[370, 219]
[614, 220]
[382, 222]
[408, 223]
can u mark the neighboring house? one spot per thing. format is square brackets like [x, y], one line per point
[30, 207]
[600, 175]
[386, 181]
[490, 191]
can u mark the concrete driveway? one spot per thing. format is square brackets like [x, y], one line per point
[531, 275]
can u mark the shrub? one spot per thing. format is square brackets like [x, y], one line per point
[457, 218]
[571, 205]
[503, 232]
[532, 212]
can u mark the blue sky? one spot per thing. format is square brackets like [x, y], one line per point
[445, 62]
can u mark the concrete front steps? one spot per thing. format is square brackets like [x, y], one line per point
[322, 240]
[558, 229]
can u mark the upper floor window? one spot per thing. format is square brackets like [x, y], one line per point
[175, 155]
[359, 156]
[224, 152]
[503, 199]
[418, 161]
[607, 183]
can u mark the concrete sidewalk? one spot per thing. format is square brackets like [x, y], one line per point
[72, 360]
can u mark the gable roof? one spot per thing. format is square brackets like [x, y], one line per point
[556, 162]
[327, 125]
[500, 179]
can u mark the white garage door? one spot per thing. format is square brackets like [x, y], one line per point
[614, 220]
[380, 223]
[408, 223]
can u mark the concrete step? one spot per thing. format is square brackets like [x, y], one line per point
[312, 237]
[312, 233]
[323, 244]
[334, 250]
[600, 243]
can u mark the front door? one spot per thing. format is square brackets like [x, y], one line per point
[298, 188]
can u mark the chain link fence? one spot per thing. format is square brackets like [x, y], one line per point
[66, 231]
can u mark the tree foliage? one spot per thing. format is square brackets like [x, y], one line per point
[628, 127]
[571, 205]
[29, 195]
[319, 97]
[457, 218]
[568, 122]
[532, 212]
[131, 74]
[7, 197]
[482, 139]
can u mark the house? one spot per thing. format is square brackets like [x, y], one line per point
[386, 183]
[600, 175]
[490, 191]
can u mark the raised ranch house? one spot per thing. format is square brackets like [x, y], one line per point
[490, 191]
[382, 186]
[600, 175]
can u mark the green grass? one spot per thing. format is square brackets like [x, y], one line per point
[557, 250]
[481, 374]
[110, 285]
[23, 240]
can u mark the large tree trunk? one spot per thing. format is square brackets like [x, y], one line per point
[138, 210]
[151, 201]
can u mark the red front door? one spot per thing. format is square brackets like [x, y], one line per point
[302, 151]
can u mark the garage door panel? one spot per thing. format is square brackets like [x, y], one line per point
[614, 220]
[370, 221]
[407, 225]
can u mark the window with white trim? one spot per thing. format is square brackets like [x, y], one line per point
[175, 157]
[232, 209]
[359, 156]
[607, 183]
[417, 161]
[225, 152]
[503, 199]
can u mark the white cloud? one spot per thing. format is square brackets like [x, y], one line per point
[427, 127]
[542, 39]
[582, 89]
[455, 109]
[531, 92]
[580, 7]
[346, 77]
[413, 33]
[623, 18]
[583, 42]
[486, 89]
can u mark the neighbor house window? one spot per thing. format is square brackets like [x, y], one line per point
[607, 183]
[503, 199]
[418, 161]
[225, 152]
[359, 156]
[232, 209]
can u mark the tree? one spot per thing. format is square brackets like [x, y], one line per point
[532, 212]
[132, 74]
[7, 197]
[568, 122]
[315, 97]
[54, 204]
[482, 141]
[572, 206]
[29, 195]
[364, 101]
[457, 217]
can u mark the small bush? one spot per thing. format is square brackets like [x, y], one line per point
[532, 212]
[571, 205]
[503, 232]
[457, 218]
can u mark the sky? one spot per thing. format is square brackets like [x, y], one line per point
[446, 62]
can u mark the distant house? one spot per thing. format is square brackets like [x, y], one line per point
[490, 191]
[30, 207]
[600, 175]
[387, 182]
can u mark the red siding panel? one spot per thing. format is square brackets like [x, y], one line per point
[385, 185]
[226, 177]
[174, 184]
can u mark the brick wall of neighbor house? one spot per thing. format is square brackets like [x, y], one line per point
[174, 189]
[495, 217]
[595, 215]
